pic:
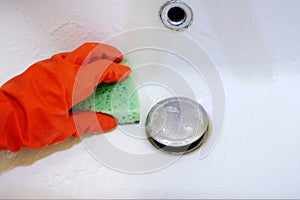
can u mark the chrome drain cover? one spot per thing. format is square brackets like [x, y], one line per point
[177, 125]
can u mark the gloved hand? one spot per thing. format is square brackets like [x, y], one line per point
[35, 105]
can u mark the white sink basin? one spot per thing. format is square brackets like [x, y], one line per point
[237, 57]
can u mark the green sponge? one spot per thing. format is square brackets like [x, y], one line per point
[117, 99]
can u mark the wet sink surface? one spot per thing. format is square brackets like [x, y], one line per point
[248, 49]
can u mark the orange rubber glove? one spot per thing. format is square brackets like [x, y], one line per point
[35, 105]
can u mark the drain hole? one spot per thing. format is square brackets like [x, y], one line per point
[176, 15]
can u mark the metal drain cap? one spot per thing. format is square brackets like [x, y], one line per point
[177, 125]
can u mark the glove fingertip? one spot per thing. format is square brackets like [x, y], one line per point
[119, 59]
[111, 53]
[106, 122]
[116, 73]
[92, 122]
[124, 72]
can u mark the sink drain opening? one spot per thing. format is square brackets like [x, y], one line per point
[176, 15]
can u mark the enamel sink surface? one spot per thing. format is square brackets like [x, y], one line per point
[238, 59]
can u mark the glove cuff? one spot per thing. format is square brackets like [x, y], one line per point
[10, 126]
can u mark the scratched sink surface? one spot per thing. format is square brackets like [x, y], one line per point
[238, 59]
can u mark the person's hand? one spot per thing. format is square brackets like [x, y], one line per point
[35, 106]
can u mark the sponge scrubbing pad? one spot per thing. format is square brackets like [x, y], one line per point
[117, 99]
